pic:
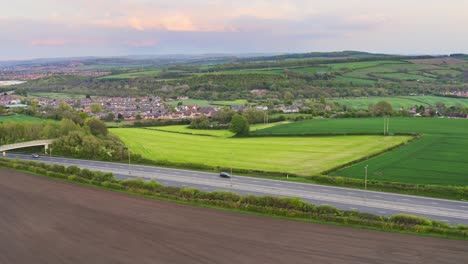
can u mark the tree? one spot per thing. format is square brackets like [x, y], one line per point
[95, 108]
[254, 116]
[120, 117]
[201, 122]
[239, 125]
[288, 98]
[96, 126]
[110, 117]
[138, 117]
[383, 108]
[224, 116]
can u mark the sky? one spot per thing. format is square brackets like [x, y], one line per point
[68, 28]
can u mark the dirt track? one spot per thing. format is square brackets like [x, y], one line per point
[48, 221]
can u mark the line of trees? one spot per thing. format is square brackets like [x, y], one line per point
[88, 140]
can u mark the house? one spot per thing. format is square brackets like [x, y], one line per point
[291, 109]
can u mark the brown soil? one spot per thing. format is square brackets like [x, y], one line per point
[48, 221]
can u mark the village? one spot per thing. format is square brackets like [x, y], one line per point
[154, 107]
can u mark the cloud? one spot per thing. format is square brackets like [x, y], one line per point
[47, 42]
[102, 27]
[143, 43]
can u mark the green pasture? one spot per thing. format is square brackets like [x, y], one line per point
[401, 101]
[355, 80]
[405, 76]
[298, 155]
[440, 156]
[359, 65]
[55, 95]
[313, 69]
[204, 103]
[134, 74]
[216, 133]
[448, 72]
[19, 118]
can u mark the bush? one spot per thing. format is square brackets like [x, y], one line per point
[73, 170]
[87, 174]
[102, 176]
[327, 210]
[405, 219]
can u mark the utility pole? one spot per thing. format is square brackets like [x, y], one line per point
[129, 170]
[230, 178]
[384, 125]
[365, 178]
[388, 125]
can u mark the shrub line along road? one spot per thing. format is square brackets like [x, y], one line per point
[387, 204]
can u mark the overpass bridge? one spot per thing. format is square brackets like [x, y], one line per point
[34, 143]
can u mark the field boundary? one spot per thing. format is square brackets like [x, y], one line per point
[179, 132]
[414, 138]
[327, 134]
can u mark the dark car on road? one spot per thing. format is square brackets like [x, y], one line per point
[225, 175]
[35, 156]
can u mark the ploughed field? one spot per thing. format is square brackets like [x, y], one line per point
[440, 156]
[298, 155]
[50, 221]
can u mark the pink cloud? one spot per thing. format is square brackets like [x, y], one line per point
[144, 43]
[47, 42]
[64, 42]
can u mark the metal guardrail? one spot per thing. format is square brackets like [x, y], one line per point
[34, 143]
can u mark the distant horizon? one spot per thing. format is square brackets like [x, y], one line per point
[214, 55]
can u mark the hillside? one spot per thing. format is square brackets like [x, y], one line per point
[345, 74]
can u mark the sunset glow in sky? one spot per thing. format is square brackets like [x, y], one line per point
[63, 28]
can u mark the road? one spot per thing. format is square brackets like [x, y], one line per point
[386, 204]
[47, 221]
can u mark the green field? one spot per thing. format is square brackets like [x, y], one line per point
[299, 155]
[354, 80]
[135, 74]
[204, 103]
[19, 118]
[440, 156]
[405, 76]
[216, 133]
[55, 95]
[401, 101]
[359, 65]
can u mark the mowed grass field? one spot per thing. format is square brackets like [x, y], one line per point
[204, 103]
[55, 95]
[19, 118]
[298, 155]
[440, 156]
[215, 133]
[401, 101]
